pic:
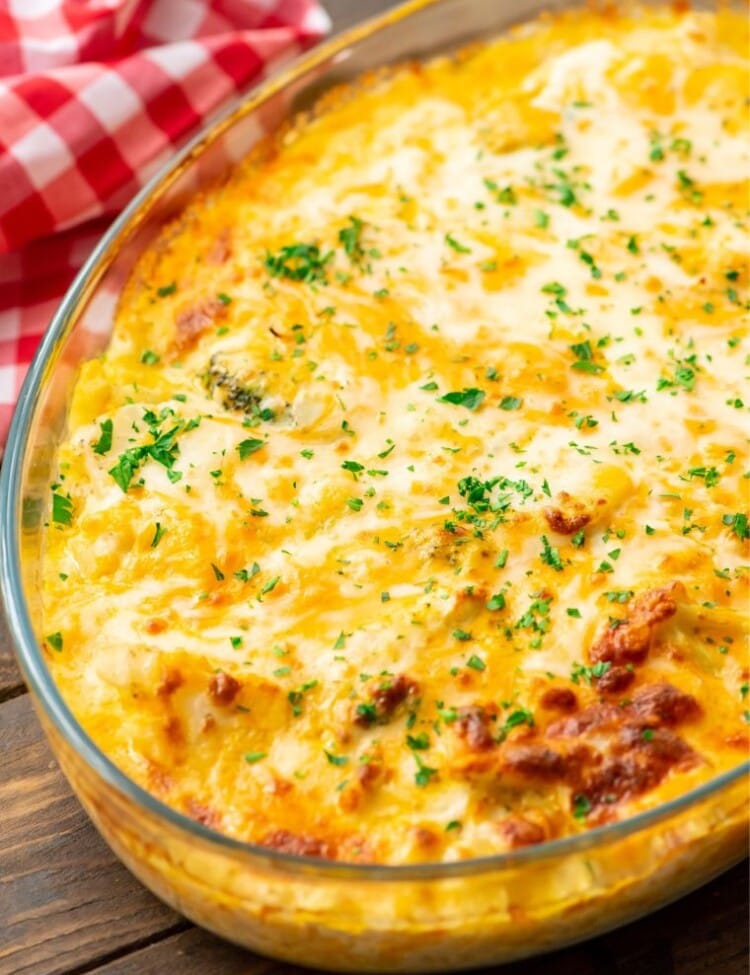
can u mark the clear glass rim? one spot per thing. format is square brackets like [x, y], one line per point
[28, 650]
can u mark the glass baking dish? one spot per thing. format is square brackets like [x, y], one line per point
[426, 917]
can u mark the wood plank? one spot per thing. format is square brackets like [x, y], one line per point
[64, 898]
[705, 932]
[345, 13]
[11, 683]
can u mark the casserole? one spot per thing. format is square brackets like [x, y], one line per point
[471, 912]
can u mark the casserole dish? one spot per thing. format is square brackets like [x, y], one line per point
[424, 916]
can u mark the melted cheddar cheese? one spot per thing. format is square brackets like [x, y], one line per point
[405, 516]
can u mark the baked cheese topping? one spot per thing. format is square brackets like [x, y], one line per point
[405, 517]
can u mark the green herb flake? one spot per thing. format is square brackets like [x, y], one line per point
[424, 774]
[470, 398]
[476, 663]
[252, 757]
[418, 742]
[270, 585]
[496, 602]
[581, 806]
[62, 508]
[298, 262]
[337, 760]
[149, 358]
[55, 641]
[158, 534]
[250, 446]
[551, 555]
[104, 444]
[739, 525]
[458, 247]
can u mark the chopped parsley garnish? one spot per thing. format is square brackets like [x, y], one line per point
[418, 742]
[296, 697]
[351, 239]
[245, 575]
[149, 358]
[511, 403]
[104, 444]
[62, 508]
[458, 247]
[270, 585]
[424, 773]
[163, 450]
[247, 447]
[368, 712]
[459, 634]
[619, 595]
[217, 572]
[581, 806]
[55, 641]
[158, 534]
[470, 398]
[738, 523]
[496, 602]
[337, 760]
[252, 757]
[587, 674]
[476, 662]
[298, 262]
[355, 503]
[514, 719]
[166, 290]
[353, 467]
[551, 555]
[585, 358]
[709, 475]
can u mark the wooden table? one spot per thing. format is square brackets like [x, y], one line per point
[67, 907]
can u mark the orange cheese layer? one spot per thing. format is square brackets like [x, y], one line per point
[405, 517]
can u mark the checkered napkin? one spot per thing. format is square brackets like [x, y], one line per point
[94, 96]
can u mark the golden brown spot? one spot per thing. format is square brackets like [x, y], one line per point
[171, 680]
[297, 844]
[568, 517]
[518, 831]
[630, 641]
[559, 699]
[223, 688]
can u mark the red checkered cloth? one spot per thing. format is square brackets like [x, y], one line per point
[94, 96]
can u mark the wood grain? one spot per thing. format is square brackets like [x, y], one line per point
[11, 683]
[64, 899]
[704, 933]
